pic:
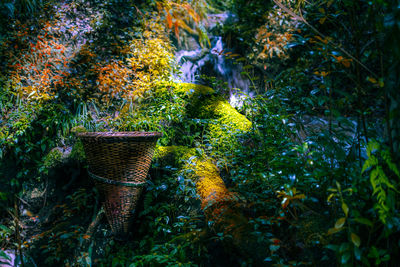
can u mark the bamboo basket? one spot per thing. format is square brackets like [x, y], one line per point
[119, 163]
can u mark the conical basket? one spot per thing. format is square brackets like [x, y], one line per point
[119, 163]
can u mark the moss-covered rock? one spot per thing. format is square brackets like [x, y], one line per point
[53, 158]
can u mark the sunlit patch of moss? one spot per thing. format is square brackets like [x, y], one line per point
[226, 122]
[78, 129]
[182, 89]
[173, 154]
[193, 89]
[210, 185]
[218, 108]
[53, 158]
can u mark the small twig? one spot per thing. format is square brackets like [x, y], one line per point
[17, 232]
[95, 222]
[45, 191]
[20, 199]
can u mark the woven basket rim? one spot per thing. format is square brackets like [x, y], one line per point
[132, 134]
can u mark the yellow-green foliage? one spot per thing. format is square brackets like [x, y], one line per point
[53, 158]
[183, 89]
[163, 109]
[173, 154]
[201, 102]
[228, 122]
[149, 61]
[218, 108]
[193, 89]
[78, 129]
[78, 152]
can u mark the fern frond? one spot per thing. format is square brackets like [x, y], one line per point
[370, 162]
[388, 159]
[372, 147]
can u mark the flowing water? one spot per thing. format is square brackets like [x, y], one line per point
[214, 62]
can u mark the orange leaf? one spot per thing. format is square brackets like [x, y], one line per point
[339, 58]
[285, 202]
[176, 26]
[169, 20]
[372, 80]
[346, 63]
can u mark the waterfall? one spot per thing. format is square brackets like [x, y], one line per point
[214, 62]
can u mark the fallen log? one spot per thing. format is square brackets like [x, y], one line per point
[220, 206]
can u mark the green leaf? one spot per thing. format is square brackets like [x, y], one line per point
[344, 247]
[345, 257]
[4, 255]
[332, 231]
[339, 223]
[330, 196]
[364, 221]
[338, 185]
[370, 162]
[384, 179]
[371, 147]
[373, 252]
[374, 181]
[386, 257]
[355, 239]
[332, 247]
[5, 229]
[345, 209]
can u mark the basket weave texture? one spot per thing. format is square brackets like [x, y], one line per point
[119, 163]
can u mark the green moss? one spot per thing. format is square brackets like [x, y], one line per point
[78, 129]
[171, 105]
[225, 124]
[53, 158]
[193, 89]
[78, 152]
[218, 108]
[182, 90]
[173, 155]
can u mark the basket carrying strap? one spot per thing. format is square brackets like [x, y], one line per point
[113, 182]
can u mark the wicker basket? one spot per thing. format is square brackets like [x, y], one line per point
[119, 163]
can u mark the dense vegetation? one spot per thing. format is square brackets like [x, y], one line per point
[303, 172]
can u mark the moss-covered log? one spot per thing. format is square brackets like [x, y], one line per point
[225, 122]
[220, 206]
